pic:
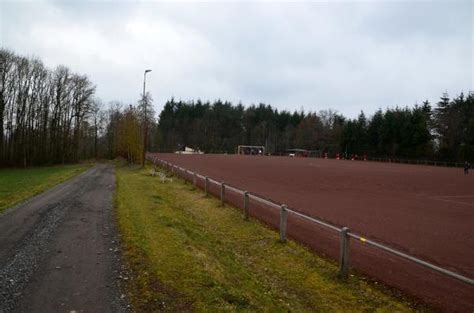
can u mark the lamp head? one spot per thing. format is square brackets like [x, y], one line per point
[147, 71]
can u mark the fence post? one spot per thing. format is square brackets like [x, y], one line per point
[206, 186]
[283, 220]
[194, 179]
[246, 205]
[185, 175]
[344, 253]
[222, 193]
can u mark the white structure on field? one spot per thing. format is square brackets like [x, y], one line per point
[188, 150]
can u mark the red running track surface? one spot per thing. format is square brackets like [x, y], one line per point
[425, 211]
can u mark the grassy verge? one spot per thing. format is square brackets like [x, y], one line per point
[186, 253]
[17, 185]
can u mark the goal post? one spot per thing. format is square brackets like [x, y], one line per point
[251, 150]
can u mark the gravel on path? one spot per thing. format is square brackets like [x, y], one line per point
[59, 251]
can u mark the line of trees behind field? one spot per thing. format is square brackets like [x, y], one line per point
[50, 116]
[444, 132]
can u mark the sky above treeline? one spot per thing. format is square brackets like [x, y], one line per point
[347, 56]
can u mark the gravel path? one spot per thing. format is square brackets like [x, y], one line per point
[59, 250]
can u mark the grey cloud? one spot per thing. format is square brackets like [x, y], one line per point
[347, 55]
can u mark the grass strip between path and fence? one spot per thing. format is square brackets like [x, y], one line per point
[185, 252]
[17, 185]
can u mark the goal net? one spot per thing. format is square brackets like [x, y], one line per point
[251, 150]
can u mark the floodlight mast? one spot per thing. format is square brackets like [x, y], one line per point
[144, 102]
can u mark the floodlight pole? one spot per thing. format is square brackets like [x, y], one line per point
[146, 121]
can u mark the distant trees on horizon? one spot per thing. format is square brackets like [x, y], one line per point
[52, 116]
[445, 132]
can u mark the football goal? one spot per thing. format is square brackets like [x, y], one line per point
[251, 150]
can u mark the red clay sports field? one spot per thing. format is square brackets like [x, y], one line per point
[425, 211]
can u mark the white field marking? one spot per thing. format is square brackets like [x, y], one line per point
[443, 198]
[470, 196]
[360, 167]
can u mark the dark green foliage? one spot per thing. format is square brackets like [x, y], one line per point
[446, 133]
[220, 127]
[454, 127]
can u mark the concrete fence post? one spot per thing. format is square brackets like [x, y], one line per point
[283, 222]
[194, 179]
[206, 186]
[246, 205]
[222, 194]
[185, 175]
[344, 253]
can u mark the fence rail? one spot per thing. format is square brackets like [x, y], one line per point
[344, 232]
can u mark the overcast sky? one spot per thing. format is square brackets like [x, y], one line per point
[348, 56]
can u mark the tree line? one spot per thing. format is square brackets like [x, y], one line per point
[124, 129]
[50, 116]
[444, 132]
[43, 112]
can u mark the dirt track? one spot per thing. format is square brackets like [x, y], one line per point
[425, 211]
[58, 251]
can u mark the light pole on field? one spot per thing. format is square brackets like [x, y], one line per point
[146, 121]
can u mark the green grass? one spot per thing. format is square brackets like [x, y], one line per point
[17, 185]
[186, 253]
